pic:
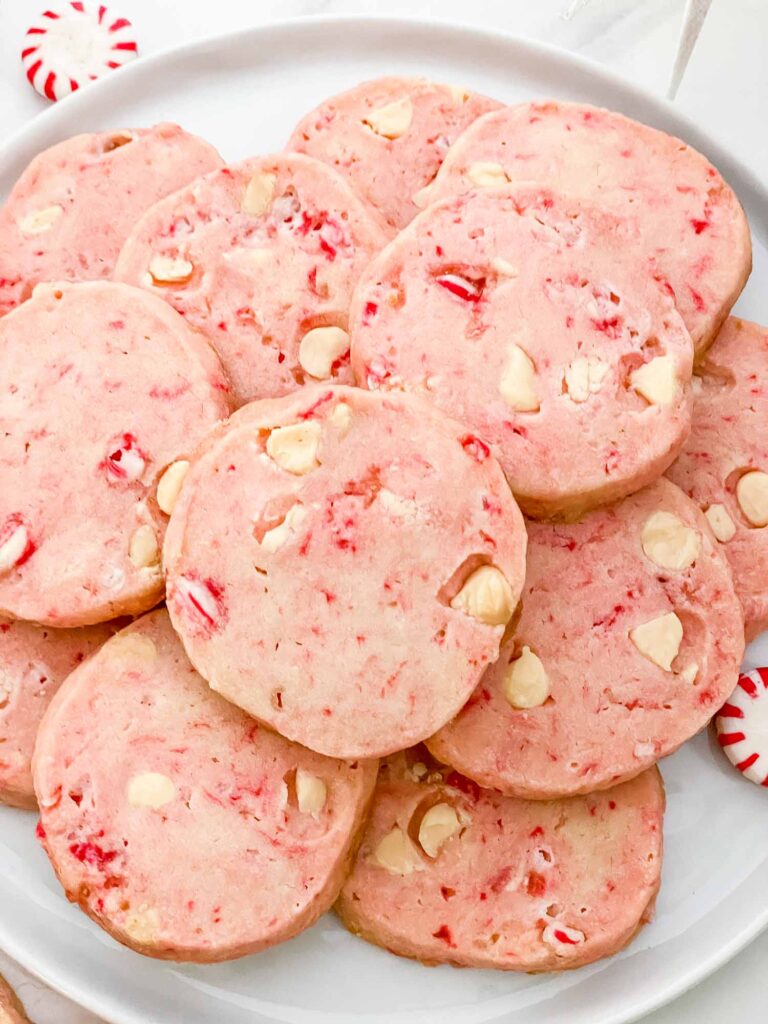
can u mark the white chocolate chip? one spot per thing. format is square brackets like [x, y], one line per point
[391, 121]
[341, 417]
[311, 792]
[485, 174]
[657, 381]
[320, 348]
[40, 221]
[143, 549]
[503, 267]
[142, 925]
[643, 750]
[419, 770]
[721, 523]
[752, 496]
[259, 194]
[132, 647]
[422, 197]
[584, 376]
[399, 507]
[659, 640]
[170, 270]
[276, 537]
[669, 543]
[294, 447]
[248, 259]
[397, 854]
[518, 381]
[169, 486]
[150, 789]
[526, 683]
[13, 548]
[689, 673]
[486, 596]
[438, 825]
[459, 94]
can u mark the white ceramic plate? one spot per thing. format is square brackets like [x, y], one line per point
[244, 92]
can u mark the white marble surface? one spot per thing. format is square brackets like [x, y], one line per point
[724, 90]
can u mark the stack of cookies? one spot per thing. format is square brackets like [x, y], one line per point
[436, 438]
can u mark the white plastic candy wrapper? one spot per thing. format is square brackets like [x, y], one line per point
[72, 44]
[742, 726]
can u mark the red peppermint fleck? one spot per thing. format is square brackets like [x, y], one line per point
[610, 326]
[200, 600]
[612, 804]
[478, 449]
[535, 884]
[458, 781]
[124, 460]
[39, 831]
[698, 302]
[564, 937]
[537, 832]
[311, 412]
[699, 225]
[369, 311]
[16, 544]
[92, 854]
[444, 933]
[462, 287]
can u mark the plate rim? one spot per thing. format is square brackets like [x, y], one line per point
[41, 125]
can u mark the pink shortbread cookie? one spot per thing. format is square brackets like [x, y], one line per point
[323, 577]
[34, 662]
[448, 872]
[388, 137]
[11, 1010]
[105, 393]
[724, 463]
[534, 319]
[75, 204]
[630, 639]
[691, 224]
[258, 256]
[177, 823]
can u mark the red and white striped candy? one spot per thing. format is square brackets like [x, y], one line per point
[742, 726]
[74, 43]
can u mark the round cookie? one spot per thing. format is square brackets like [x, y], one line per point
[450, 873]
[323, 577]
[629, 640]
[95, 430]
[690, 222]
[75, 204]
[724, 464]
[176, 822]
[534, 319]
[34, 662]
[11, 1010]
[262, 257]
[389, 136]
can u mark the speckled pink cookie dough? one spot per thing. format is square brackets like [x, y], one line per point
[177, 823]
[34, 662]
[630, 639]
[388, 137]
[262, 257]
[535, 320]
[450, 873]
[323, 576]
[105, 393]
[724, 465]
[690, 223]
[75, 204]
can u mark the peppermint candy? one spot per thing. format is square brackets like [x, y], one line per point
[742, 726]
[74, 43]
